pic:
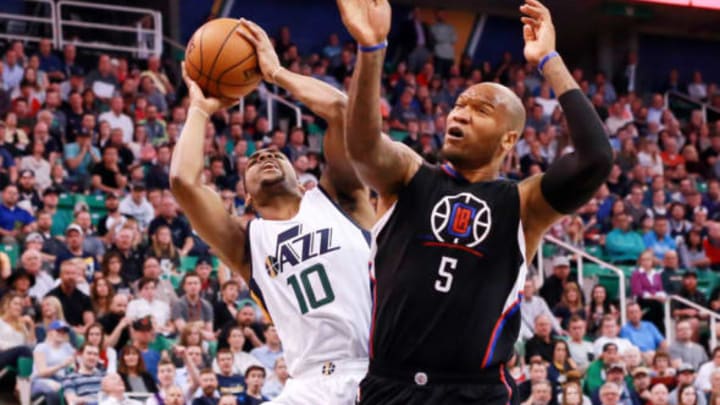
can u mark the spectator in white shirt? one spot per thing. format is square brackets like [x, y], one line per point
[609, 334]
[697, 89]
[530, 308]
[706, 370]
[241, 360]
[137, 206]
[147, 305]
[117, 119]
[581, 350]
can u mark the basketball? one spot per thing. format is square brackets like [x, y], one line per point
[220, 61]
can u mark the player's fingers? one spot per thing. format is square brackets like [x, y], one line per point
[536, 3]
[528, 33]
[531, 11]
[529, 21]
[247, 30]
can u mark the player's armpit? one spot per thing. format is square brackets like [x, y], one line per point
[536, 213]
[224, 233]
[387, 167]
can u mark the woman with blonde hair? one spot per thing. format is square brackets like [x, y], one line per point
[17, 336]
[163, 249]
[572, 394]
[571, 303]
[50, 310]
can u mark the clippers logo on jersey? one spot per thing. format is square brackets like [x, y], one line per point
[461, 219]
[293, 247]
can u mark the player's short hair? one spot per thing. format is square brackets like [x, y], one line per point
[255, 367]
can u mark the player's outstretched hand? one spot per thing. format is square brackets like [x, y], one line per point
[208, 104]
[368, 21]
[268, 60]
[538, 31]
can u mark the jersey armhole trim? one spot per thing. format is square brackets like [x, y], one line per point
[365, 232]
[248, 248]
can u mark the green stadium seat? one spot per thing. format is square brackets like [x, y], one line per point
[612, 284]
[187, 263]
[13, 252]
[95, 202]
[398, 136]
[66, 200]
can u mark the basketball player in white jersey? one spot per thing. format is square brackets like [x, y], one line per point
[306, 256]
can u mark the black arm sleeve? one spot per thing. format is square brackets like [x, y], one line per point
[573, 179]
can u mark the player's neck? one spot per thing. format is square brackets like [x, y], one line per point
[473, 175]
[279, 208]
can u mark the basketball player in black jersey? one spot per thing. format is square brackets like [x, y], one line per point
[453, 241]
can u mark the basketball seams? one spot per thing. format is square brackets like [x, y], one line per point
[200, 72]
[219, 51]
[224, 72]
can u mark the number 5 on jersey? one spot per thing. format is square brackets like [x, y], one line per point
[304, 288]
[444, 283]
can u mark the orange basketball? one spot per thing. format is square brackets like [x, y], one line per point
[220, 61]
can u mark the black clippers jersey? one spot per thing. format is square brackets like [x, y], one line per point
[449, 269]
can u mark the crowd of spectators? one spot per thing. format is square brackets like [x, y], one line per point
[106, 288]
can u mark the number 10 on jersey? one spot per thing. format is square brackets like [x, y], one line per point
[304, 288]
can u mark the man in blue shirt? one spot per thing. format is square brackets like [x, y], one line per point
[14, 221]
[79, 156]
[271, 350]
[254, 380]
[228, 383]
[643, 334]
[659, 239]
[83, 385]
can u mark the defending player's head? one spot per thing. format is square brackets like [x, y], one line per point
[483, 126]
[270, 174]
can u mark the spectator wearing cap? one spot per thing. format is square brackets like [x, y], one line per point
[191, 307]
[531, 307]
[137, 206]
[640, 394]
[615, 373]
[642, 334]
[659, 239]
[27, 190]
[15, 222]
[595, 375]
[74, 239]
[110, 176]
[209, 285]
[142, 335]
[92, 244]
[77, 306]
[117, 119]
[609, 334]
[158, 172]
[684, 348]
[113, 221]
[178, 224]
[51, 360]
[686, 377]
[147, 305]
[60, 219]
[690, 292]
[31, 263]
[79, 156]
[623, 244]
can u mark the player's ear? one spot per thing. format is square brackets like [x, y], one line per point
[508, 141]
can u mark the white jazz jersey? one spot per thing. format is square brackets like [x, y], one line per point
[312, 274]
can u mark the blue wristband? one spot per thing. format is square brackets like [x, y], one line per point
[373, 48]
[545, 60]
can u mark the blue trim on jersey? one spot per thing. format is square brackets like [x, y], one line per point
[514, 307]
[450, 171]
[365, 232]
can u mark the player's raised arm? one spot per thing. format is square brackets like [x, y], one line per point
[339, 178]
[201, 204]
[572, 179]
[382, 164]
